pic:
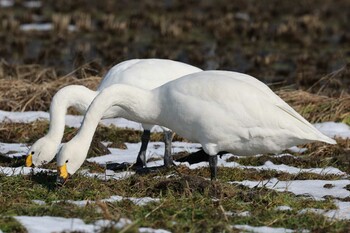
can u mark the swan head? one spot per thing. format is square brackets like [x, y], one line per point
[41, 152]
[69, 159]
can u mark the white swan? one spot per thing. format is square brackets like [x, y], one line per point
[224, 111]
[143, 73]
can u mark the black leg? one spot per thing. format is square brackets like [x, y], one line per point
[141, 157]
[213, 162]
[168, 158]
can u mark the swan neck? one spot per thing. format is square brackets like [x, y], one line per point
[75, 96]
[135, 103]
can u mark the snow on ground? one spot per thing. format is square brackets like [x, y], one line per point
[151, 230]
[313, 188]
[268, 166]
[342, 211]
[6, 3]
[44, 224]
[15, 171]
[32, 4]
[48, 224]
[27, 4]
[262, 229]
[13, 149]
[140, 201]
[332, 129]
[71, 121]
[42, 27]
[154, 150]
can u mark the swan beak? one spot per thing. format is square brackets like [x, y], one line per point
[29, 160]
[62, 174]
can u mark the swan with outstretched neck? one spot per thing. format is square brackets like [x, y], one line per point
[142, 73]
[224, 111]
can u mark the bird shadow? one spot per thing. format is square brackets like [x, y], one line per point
[45, 179]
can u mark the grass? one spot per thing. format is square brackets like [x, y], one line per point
[186, 203]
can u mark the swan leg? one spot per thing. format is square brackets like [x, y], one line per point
[213, 162]
[141, 157]
[168, 158]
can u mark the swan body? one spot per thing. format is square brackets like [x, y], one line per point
[142, 73]
[224, 111]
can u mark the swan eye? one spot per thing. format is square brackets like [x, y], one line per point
[67, 161]
[32, 153]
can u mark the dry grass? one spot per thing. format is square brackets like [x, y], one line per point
[35, 87]
[318, 108]
[31, 96]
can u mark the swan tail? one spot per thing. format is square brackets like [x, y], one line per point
[324, 138]
[319, 136]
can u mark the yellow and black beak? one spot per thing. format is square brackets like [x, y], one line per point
[29, 160]
[62, 174]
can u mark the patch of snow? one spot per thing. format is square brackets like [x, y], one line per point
[108, 175]
[19, 148]
[141, 201]
[41, 27]
[282, 155]
[334, 129]
[313, 188]
[151, 230]
[283, 208]
[6, 3]
[137, 201]
[15, 171]
[32, 4]
[154, 150]
[294, 170]
[342, 212]
[23, 117]
[36, 27]
[39, 202]
[243, 214]
[262, 229]
[267, 166]
[296, 149]
[46, 224]
[229, 213]
[243, 16]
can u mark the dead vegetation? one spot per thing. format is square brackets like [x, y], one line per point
[318, 108]
[36, 85]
